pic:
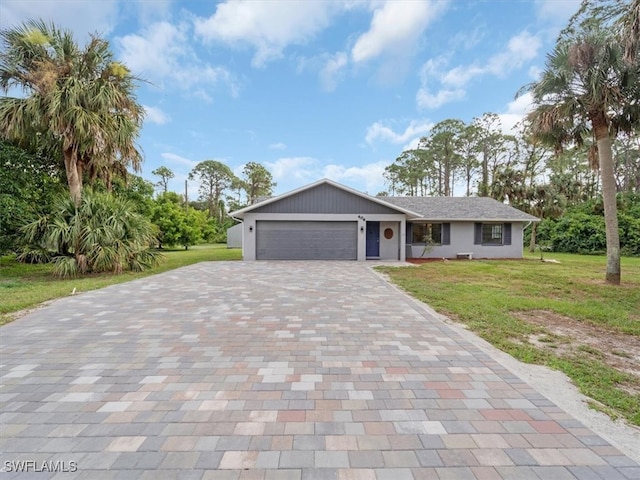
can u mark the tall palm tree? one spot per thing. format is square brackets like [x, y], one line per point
[588, 90]
[78, 100]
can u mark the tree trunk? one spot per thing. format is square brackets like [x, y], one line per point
[607, 177]
[447, 175]
[74, 177]
[484, 186]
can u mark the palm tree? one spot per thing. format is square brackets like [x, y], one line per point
[588, 90]
[102, 234]
[78, 101]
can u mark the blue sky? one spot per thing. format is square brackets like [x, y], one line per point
[311, 89]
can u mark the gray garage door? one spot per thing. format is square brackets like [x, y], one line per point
[306, 240]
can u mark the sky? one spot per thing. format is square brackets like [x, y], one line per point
[311, 89]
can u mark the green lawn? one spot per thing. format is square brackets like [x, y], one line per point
[25, 286]
[500, 299]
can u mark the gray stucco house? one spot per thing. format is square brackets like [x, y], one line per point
[329, 221]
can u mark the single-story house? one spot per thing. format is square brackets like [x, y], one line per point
[329, 221]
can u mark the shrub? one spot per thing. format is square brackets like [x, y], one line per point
[103, 234]
[581, 229]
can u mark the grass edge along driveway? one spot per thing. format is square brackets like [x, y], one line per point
[541, 313]
[25, 286]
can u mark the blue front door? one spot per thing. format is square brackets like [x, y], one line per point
[373, 239]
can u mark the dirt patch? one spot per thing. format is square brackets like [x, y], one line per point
[419, 261]
[568, 336]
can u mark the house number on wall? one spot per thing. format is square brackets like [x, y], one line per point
[388, 233]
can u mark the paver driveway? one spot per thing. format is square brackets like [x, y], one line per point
[273, 370]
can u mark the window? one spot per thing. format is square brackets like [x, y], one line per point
[492, 234]
[432, 233]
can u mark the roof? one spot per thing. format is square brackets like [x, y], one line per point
[461, 208]
[379, 200]
[420, 208]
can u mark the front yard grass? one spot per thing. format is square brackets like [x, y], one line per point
[562, 315]
[24, 286]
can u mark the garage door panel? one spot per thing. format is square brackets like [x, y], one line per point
[277, 240]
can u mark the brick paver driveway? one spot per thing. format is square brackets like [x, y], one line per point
[273, 370]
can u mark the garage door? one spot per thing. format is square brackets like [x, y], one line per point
[306, 240]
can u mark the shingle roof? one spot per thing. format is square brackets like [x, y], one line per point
[460, 208]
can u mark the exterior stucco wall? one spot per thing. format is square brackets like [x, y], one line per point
[250, 219]
[390, 247]
[234, 236]
[462, 241]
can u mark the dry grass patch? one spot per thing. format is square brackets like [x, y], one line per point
[569, 337]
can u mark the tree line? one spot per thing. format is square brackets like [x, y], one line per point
[68, 157]
[41, 224]
[578, 144]
[68, 147]
[183, 222]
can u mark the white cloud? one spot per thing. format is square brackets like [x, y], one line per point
[520, 49]
[293, 172]
[434, 67]
[395, 27]
[426, 99]
[161, 53]
[156, 51]
[155, 115]
[278, 146]
[81, 18]
[468, 39]
[515, 113]
[412, 145]
[302, 169]
[416, 129]
[449, 85]
[173, 158]
[332, 70]
[460, 76]
[269, 27]
[367, 177]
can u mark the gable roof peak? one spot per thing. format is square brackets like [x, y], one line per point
[323, 181]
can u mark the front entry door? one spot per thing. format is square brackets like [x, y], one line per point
[373, 239]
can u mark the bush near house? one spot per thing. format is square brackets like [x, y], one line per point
[582, 230]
